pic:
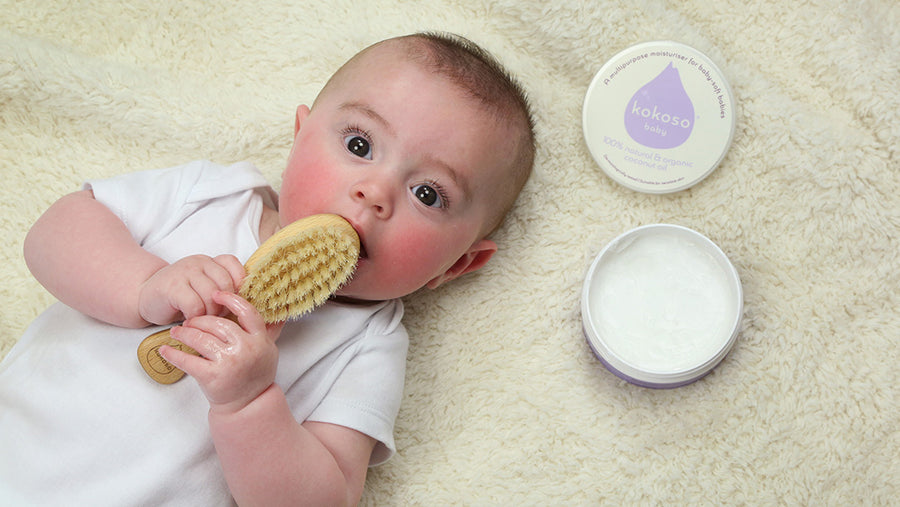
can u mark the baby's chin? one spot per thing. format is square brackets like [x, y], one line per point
[360, 292]
[354, 291]
[346, 300]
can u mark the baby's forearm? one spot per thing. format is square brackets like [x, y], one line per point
[270, 459]
[85, 256]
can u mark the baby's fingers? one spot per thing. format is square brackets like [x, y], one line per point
[248, 316]
[194, 366]
[217, 276]
[222, 273]
[235, 271]
[210, 340]
[197, 299]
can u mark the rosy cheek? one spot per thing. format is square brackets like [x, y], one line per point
[307, 189]
[416, 256]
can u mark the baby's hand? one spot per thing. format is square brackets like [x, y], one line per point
[184, 288]
[237, 360]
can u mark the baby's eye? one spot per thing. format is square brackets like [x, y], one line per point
[429, 196]
[358, 146]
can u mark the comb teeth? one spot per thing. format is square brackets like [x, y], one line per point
[300, 267]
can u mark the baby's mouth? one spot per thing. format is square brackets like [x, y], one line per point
[363, 252]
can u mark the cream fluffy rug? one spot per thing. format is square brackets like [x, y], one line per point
[505, 404]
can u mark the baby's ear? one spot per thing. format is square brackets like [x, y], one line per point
[302, 113]
[475, 257]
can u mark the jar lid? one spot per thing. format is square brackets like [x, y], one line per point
[658, 117]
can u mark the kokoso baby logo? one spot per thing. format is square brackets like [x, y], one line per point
[657, 117]
[660, 114]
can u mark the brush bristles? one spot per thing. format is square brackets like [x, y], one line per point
[300, 267]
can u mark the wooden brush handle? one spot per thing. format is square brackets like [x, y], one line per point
[153, 363]
[158, 368]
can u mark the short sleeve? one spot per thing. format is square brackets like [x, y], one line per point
[153, 202]
[144, 200]
[367, 394]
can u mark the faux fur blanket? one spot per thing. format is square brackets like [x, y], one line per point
[505, 404]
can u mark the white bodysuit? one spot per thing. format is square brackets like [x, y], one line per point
[82, 424]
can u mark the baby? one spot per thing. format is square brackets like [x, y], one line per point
[421, 142]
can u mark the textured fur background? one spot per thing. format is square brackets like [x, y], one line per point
[505, 404]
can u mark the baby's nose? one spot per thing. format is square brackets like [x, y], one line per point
[375, 196]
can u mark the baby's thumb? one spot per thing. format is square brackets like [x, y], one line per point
[234, 268]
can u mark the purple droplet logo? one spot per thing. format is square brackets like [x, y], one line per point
[660, 114]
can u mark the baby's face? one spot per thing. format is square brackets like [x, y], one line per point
[409, 161]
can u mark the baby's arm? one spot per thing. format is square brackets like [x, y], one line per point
[270, 459]
[267, 456]
[84, 255]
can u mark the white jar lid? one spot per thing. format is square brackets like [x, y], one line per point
[661, 306]
[658, 117]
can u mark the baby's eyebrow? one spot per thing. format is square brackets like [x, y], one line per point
[460, 182]
[371, 113]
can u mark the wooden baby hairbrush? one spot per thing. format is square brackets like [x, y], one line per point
[300, 267]
[294, 271]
